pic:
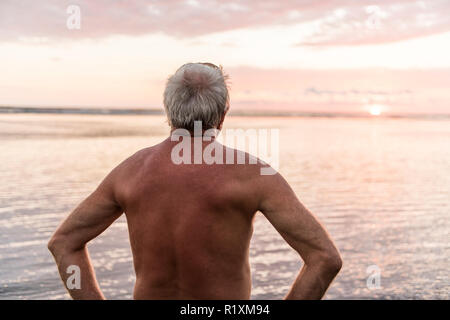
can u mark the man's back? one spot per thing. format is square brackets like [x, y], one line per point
[190, 225]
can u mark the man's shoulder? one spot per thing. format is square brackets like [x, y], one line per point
[131, 164]
[249, 167]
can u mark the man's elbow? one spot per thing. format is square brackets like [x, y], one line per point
[334, 263]
[53, 244]
[57, 244]
[329, 262]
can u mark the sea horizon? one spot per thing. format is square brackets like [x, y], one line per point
[5, 109]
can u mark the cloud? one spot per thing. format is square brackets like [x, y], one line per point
[406, 90]
[322, 92]
[388, 22]
[337, 22]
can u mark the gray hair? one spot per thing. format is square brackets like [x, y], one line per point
[196, 92]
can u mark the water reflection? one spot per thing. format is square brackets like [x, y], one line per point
[380, 186]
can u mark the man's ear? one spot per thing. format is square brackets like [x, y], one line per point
[219, 127]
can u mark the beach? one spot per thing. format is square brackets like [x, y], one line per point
[380, 186]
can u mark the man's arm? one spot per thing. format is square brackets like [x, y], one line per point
[68, 243]
[305, 234]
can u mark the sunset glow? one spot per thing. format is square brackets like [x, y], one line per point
[304, 56]
[375, 110]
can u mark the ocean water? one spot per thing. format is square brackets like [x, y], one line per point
[380, 186]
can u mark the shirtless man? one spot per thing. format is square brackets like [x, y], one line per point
[190, 224]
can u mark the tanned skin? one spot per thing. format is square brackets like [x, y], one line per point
[190, 227]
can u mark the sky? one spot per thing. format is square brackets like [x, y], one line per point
[304, 55]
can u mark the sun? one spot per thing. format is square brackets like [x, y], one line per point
[375, 110]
